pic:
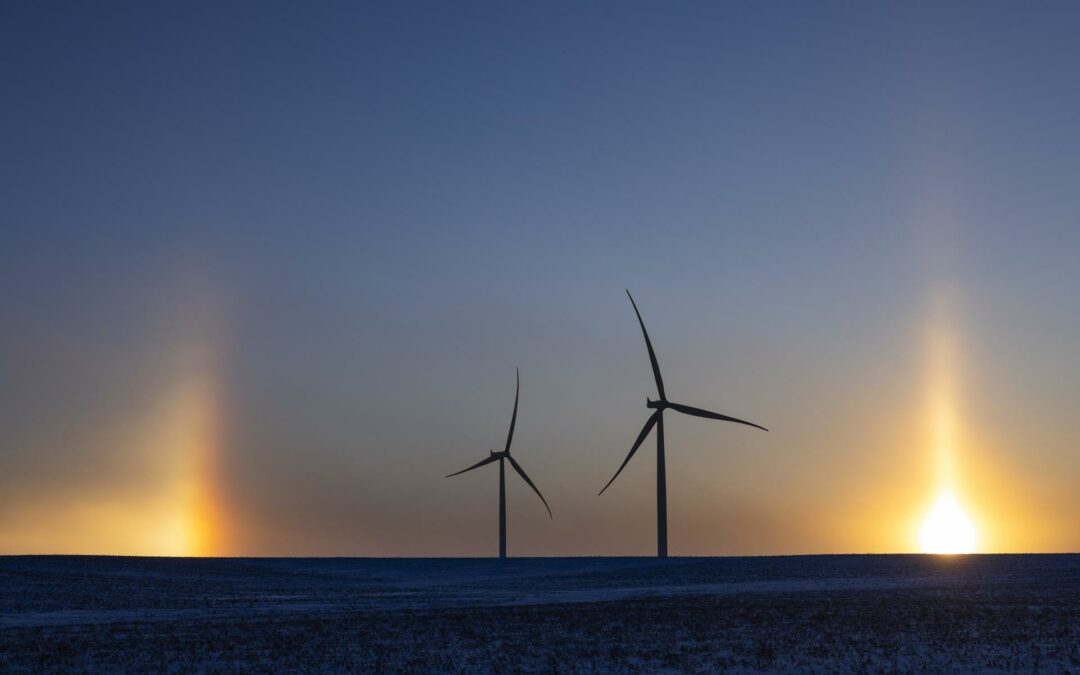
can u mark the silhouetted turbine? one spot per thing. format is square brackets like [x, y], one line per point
[657, 420]
[505, 455]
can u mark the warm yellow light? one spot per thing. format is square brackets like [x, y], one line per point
[947, 529]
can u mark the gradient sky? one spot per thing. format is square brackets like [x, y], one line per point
[266, 271]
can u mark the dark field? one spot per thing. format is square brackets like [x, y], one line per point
[811, 614]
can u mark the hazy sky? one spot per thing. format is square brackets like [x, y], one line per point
[266, 271]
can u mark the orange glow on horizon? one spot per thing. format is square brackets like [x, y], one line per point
[156, 487]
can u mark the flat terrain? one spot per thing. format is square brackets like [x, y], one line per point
[808, 613]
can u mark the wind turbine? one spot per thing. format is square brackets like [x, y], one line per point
[502, 458]
[657, 420]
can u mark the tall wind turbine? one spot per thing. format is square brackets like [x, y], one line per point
[657, 420]
[502, 458]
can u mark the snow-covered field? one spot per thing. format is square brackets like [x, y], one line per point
[809, 613]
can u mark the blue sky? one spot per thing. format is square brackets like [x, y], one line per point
[352, 221]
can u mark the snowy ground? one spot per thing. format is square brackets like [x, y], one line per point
[811, 614]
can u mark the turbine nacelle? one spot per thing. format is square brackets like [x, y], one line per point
[659, 404]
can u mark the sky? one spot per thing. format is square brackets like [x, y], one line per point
[266, 271]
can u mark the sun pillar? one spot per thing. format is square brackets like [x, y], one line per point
[946, 528]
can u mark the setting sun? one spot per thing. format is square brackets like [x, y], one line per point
[947, 529]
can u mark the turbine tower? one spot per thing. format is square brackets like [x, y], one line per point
[502, 458]
[657, 420]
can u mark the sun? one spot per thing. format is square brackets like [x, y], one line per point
[947, 529]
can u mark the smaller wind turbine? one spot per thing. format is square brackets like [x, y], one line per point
[501, 457]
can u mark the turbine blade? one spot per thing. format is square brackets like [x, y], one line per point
[652, 354]
[698, 412]
[637, 444]
[489, 460]
[521, 472]
[513, 418]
